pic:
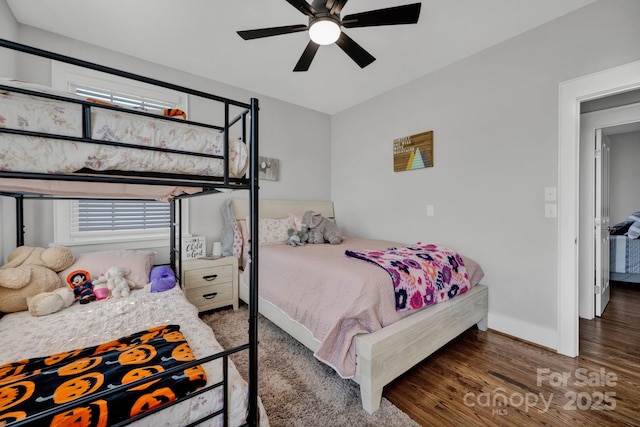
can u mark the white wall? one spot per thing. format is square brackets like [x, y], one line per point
[8, 31]
[495, 123]
[283, 134]
[625, 175]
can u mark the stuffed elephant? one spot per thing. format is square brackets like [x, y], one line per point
[321, 229]
[297, 237]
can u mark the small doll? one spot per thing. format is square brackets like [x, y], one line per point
[80, 282]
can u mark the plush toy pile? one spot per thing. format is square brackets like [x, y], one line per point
[30, 281]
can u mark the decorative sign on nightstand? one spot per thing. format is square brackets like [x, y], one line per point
[193, 247]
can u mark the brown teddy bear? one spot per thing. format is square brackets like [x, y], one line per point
[31, 271]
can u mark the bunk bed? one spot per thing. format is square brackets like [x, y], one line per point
[69, 155]
[343, 309]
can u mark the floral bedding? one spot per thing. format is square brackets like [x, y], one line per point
[37, 154]
[422, 274]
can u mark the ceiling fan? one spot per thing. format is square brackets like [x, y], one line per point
[324, 27]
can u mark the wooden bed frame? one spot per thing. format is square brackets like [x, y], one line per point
[386, 354]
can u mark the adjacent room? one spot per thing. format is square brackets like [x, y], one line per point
[427, 218]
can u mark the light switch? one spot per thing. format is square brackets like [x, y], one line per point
[429, 210]
[550, 194]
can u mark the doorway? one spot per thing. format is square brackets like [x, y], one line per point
[571, 94]
[612, 123]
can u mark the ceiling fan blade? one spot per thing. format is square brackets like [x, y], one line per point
[303, 7]
[354, 50]
[273, 31]
[307, 56]
[335, 6]
[406, 14]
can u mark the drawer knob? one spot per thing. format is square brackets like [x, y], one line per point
[212, 295]
[210, 277]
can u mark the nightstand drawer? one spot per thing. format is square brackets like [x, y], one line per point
[211, 283]
[209, 297]
[208, 275]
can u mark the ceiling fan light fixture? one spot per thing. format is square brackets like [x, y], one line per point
[324, 31]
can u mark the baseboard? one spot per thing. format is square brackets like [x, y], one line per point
[525, 331]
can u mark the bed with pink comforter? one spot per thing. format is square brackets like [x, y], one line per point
[333, 296]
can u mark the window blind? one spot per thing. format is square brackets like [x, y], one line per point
[121, 99]
[120, 215]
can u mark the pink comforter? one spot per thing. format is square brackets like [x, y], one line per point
[334, 296]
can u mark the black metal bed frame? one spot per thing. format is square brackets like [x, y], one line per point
[208, 184]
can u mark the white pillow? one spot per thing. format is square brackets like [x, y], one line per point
[272, 230]
[96, 263]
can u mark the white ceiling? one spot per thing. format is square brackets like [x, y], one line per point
[199, 36]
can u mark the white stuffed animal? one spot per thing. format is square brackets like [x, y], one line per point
[117, 283]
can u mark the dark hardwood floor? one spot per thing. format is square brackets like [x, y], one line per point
[486, 378]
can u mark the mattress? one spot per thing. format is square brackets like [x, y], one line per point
[25, 336]
[56, 156]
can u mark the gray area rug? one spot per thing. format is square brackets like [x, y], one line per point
[295, 388]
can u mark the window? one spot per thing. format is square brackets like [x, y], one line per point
[88, 221]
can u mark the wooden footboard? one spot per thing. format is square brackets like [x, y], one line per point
[384, 355]
[387, 353]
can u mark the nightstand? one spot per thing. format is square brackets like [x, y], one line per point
[211, 283]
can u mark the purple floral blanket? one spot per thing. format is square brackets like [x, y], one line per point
[422, 274]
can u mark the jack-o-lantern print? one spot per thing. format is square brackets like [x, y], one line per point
[95, 414]
[111, 345]
[137, 355]
[183, 353]
[59, 357]
[79, 366]
[174, 336]
[152, 400]
[11, 370]
[195, 373]
[140, 373]
[11, 417]
[15, 393]
[149, 336]
[78, 387]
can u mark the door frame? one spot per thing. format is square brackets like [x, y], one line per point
[571, 93]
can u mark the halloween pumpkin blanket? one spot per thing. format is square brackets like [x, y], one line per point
[33, 385]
